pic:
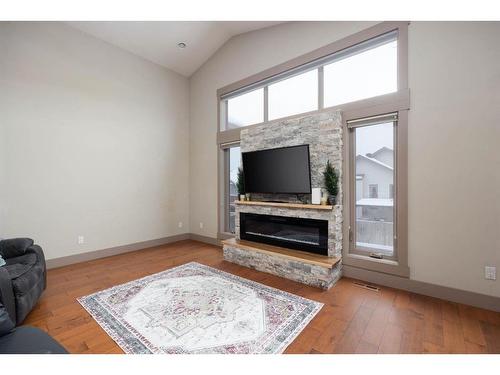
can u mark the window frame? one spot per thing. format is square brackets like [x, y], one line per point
[398, 101]
[223, 172]
[361, 41]
[352, 247]
[356, 257]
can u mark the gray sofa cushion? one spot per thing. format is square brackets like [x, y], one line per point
[6, 324]
[29, 340]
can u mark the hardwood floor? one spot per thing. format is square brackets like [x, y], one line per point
[353, 320]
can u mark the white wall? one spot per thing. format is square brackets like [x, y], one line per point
[454, 158]
[95, 141]
[454, 153]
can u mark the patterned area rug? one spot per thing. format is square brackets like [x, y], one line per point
[198, 309]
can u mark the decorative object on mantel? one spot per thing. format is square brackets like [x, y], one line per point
[316, 196]
[247, 197]
[331, 181]
[197, 309]
[240, 184]
[324, 200]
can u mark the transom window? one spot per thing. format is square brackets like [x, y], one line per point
[359, 72]
[294, 95]
[246, 109]
[362, 75]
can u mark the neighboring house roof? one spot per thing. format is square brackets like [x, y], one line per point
[374, 154]
[374, 161]
[379, 202]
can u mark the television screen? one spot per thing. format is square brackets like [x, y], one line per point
[279, 170]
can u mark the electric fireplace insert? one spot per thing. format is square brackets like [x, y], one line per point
[303, 234]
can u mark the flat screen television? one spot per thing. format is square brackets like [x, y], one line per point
[280, 170]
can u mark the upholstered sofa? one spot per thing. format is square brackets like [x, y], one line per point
[23, 278]
[25, 339]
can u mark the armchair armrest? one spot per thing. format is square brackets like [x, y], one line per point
[6, 324]
[14, 247]
[7, 294]
[35, 249]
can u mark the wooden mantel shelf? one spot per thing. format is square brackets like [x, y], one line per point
[285, 205]
[301, 256]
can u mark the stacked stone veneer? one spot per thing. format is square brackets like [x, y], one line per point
[323, 133]
[310, 274]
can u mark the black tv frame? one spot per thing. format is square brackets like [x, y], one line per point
[280, 148]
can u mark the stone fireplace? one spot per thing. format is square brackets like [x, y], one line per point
[296, 239]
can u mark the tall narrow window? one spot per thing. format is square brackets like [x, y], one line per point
[372, 180]
[233, 162]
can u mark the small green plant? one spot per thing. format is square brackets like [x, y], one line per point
[331, 180]
[240, 183]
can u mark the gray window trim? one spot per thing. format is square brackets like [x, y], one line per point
[316, 59]
[223, 192]
[342, 48]
[351, 247]
[398, 264]
[394, 102]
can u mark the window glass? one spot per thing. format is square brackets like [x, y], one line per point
[374, 161]
[246, 109]
[294, 95]
[373, 191]
[234, 163]
[364, 75]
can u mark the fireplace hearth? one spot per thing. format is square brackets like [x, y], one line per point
[303, 234]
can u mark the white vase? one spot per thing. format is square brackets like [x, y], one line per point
[242, 197]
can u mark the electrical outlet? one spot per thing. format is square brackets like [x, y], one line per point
[201, 225]
[180, 224]
[81, 240]
[490, 273]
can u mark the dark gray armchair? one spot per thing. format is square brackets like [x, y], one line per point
[23, 278]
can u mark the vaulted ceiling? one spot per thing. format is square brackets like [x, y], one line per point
[157, 41]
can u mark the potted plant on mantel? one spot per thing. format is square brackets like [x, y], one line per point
[331, 181]
[240, 184]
